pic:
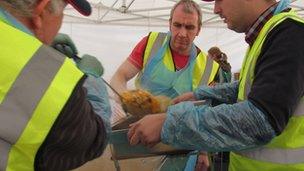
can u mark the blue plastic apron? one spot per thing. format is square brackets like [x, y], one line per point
[159, 80]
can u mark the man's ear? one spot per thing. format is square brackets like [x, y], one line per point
[38, 11]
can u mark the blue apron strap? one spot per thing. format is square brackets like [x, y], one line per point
[193, 53]
[191, 163]
[192, 57]
[283, 4]
[12, 21]
[189, 73]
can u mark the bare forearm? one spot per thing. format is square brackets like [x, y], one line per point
[119, 83]
[123, 74]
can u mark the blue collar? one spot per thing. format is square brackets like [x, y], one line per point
[12, 21]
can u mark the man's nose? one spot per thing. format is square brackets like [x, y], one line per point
[183, 31]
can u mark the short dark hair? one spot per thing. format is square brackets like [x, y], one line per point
[189, 6]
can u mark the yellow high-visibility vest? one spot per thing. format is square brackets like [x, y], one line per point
[286, 151]
[35, 83]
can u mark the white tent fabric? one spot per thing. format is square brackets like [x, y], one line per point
[146, 12]
[115, 27]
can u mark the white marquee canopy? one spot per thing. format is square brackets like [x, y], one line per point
[146, 12]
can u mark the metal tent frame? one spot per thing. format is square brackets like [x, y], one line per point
[146, 13]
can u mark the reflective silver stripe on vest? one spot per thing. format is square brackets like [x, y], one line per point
[157, 44]
[300, 109]
[27, 90]
[207, 72]
[281, 156]
[247, 84]
[247, 87]
[4, 150]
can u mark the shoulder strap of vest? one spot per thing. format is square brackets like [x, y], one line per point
[157, 43]
[254, 51]
[207, 72]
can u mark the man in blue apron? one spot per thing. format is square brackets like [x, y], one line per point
[169, 64]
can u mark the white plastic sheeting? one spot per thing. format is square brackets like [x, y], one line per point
[135, 12]
[146, 12]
